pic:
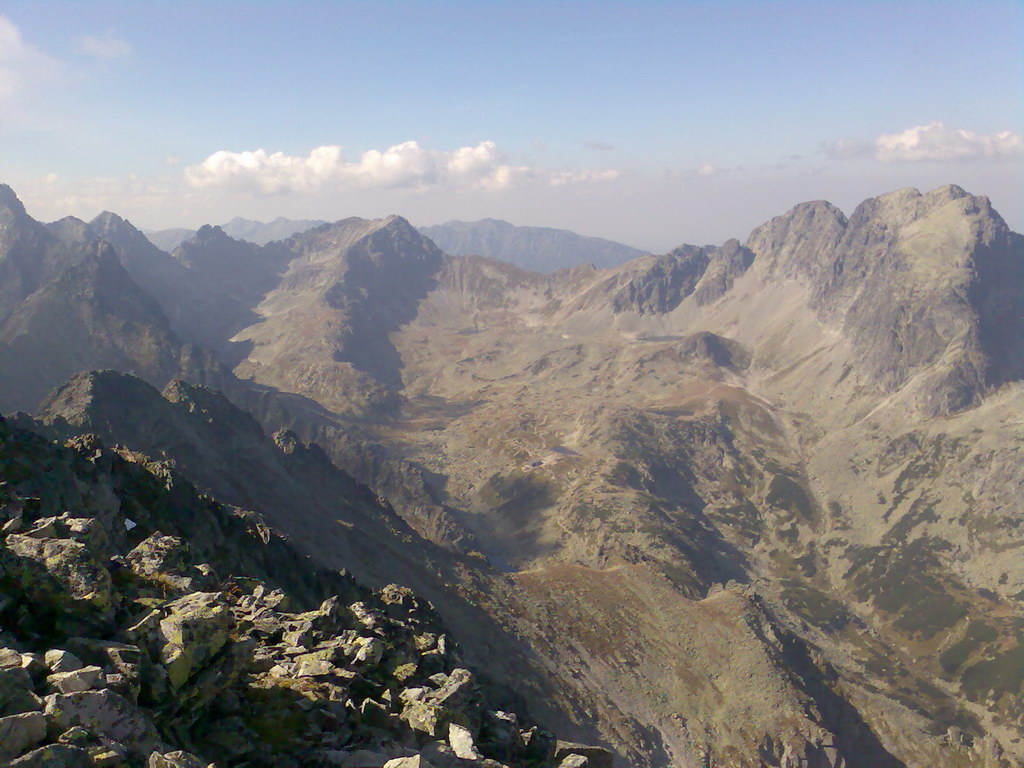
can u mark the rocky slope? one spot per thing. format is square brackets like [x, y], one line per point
[539, 249]
[144, 624]
[824, 419]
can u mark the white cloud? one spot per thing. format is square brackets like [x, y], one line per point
[936, 142]
[707, 169]
[106, 47]
[21, 65]
[930, 142]
[402, 166]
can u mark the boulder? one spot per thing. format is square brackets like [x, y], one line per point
[16, 695]
[85, 584]
[425, 716]
[458, 690]
[59, 660]
[462, 743]
[84, 679]
[416, 761]
[19, 732]
[122, 663]
[195, 629]
[177, 759]
[597, 757]
[500, 737]
[105, 713]
[162, 559]
[53, 756]
[370, 651]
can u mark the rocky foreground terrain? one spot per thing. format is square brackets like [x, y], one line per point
[755, 504]
[146, 624]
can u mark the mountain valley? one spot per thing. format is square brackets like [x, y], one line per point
[755, 504]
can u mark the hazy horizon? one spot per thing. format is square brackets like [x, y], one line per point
[649, 124]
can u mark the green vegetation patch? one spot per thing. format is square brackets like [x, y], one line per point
[786, 493]
[908, 583]
[815, 607]
[978, 634]
[1001, 674]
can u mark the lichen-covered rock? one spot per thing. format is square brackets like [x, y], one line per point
[86, 585]
[53, 756]
[84, 679]
[176, 759]
[162, 559]
[104, 712]
[195, 629]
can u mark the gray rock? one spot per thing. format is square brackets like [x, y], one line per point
[86, 584]
[177, 759]
[19, 732]
[425, 716]
[84, 679]
[107, 713]
[53, 756]
[315, 668]
[195, 629]
[597, 757]
[161, 558]
[16, 695]
[9, 658]
[370, 652]
[416, 761]
[462, 743]
[457, 690]
[62, 661]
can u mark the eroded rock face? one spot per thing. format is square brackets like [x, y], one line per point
[175, 677]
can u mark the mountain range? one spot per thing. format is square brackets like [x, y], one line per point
[754, 504]
[535, 248]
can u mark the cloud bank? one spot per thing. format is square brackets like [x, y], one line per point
[402, 166]
[932, 142]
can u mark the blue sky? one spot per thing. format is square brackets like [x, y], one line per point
[652, 123]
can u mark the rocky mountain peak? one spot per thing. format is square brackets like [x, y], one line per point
[10, 205]
[70, 230]
[799, 244]
[129, 241]
[108, 219]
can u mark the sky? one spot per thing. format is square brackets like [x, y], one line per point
[650, 123]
